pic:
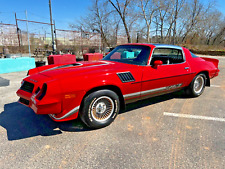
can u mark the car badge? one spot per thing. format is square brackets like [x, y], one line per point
[33, 80]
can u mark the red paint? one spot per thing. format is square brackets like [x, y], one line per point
[67, 86]
[61, 59]
[92, 56]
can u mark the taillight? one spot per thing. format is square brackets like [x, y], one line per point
[42, 92]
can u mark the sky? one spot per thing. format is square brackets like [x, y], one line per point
[64, 12]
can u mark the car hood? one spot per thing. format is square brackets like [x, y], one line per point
[86, 68]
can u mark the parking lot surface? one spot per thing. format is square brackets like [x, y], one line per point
[170, 131]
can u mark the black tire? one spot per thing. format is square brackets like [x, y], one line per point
[100, 108]
[197, 85]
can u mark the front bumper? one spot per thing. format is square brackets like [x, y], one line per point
[60, 107]
[45, 106]
[53, 107]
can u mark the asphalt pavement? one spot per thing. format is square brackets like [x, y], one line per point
[170, 131]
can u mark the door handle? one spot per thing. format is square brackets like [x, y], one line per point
[186, 68]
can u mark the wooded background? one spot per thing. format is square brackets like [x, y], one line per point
[184, 22]
[195, 24]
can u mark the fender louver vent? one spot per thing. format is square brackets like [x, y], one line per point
[126, 77]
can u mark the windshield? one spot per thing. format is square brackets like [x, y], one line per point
[131, 54]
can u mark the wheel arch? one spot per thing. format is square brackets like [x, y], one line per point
[207, 77]
[107, 87]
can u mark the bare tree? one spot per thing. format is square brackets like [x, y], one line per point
[97, 20]
[195, 10]
[220, 36]
[163, 9]
[101, 17]
[115, 29]
[159, 21]
[148, 10]
[177, 8]
[211, 25]
[122, 10]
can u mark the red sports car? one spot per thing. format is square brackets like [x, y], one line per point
[96, 91]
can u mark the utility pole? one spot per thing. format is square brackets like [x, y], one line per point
[28, 38]
[137, 37]
[53, 41]
[81, 40]
[17, 30]
[55, 35]
[99, 43]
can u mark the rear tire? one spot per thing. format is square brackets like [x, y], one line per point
[197, 85]
[100, 108]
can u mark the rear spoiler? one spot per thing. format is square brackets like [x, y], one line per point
[214, 61]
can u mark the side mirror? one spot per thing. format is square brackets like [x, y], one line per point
[157, 63]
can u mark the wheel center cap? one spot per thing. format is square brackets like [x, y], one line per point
[100, 108]
[197, 84]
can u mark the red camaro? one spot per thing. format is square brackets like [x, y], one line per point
[96, 91]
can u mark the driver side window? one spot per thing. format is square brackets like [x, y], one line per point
[167, 56]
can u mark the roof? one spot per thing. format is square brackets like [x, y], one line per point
[166, 46]
[156, 45]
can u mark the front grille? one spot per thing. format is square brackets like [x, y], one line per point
[27, 86]
[126, 77]
[24, 101]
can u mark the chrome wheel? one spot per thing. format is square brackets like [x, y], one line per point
[199, 84]
[102, 108]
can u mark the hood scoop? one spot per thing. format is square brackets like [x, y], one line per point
[126, 77]
[69, 65]
[64, 66]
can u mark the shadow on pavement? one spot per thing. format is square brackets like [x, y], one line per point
[21, 122]
[4, 82]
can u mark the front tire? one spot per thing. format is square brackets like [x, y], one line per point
[100, 108]
[197, 85]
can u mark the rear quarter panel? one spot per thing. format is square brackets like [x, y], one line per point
[198, 64]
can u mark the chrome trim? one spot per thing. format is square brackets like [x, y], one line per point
[104, 63]
[153, 90]
[158, 46]
[167, 46]
[123, 72]
[131, 94]
[71, 112]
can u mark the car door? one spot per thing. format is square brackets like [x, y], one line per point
[173, 74]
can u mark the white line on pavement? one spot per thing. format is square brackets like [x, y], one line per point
[214, 86]
[193, 116]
